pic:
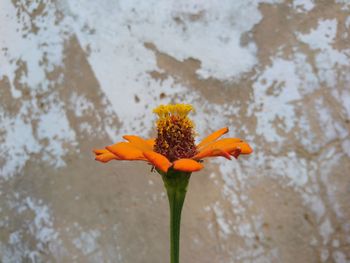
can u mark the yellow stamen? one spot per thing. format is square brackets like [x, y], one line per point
[180, 110]
[167, 112]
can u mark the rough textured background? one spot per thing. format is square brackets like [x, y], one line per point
[75, 75]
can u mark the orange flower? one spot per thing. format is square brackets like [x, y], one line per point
[174, 146]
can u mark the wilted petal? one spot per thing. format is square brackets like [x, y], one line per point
[236, 153]
[224, 147]
[220, 152]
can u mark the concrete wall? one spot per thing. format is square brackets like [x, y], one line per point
[76, 75]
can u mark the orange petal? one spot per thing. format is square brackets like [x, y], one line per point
[100, 151]
[138, 142]
[212, 137]
[218, 148]
[187, 165]
[126, 151]
[151, 142]
[106, 157]
[245, 148]
[221, 152]
[159, 161]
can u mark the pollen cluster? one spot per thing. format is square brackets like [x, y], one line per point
[175, 134]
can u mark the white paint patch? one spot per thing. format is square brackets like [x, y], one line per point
[332, 129]
[42, 226]
[344, 98]
[303, 5]
[54, 127]
[328, 58]
[87, 241]
[274, 93]
[346, 147]
[316, 205]
[326, 230]
[324, 255]
[340, 257]
[31, 131]
[321, 37]
[224, 226]
[345, 3]
[16, 141]
[38, 228]
[292, 167]
[20, 44]
[335, 243]
[52, 133]
[347, 22]
[183, 29]
[122, 63]
[81, 104]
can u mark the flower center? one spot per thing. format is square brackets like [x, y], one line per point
[175, 134]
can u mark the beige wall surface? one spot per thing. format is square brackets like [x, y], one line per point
[78, 74]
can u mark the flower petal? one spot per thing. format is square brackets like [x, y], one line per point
[138, 142]
[100, 151]
[221, 152]
[159, 161]
[245, 148]
[212, 137]
[187, 165]
[126, 151]
[151, 142]
[222, 147]
[104, 155]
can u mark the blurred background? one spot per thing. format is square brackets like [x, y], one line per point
[77, 75]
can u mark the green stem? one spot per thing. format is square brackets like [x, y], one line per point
[176, 185]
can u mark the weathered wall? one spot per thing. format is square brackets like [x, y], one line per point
[75, 75]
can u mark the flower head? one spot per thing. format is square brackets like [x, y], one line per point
[175, 134]
[174, 146]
